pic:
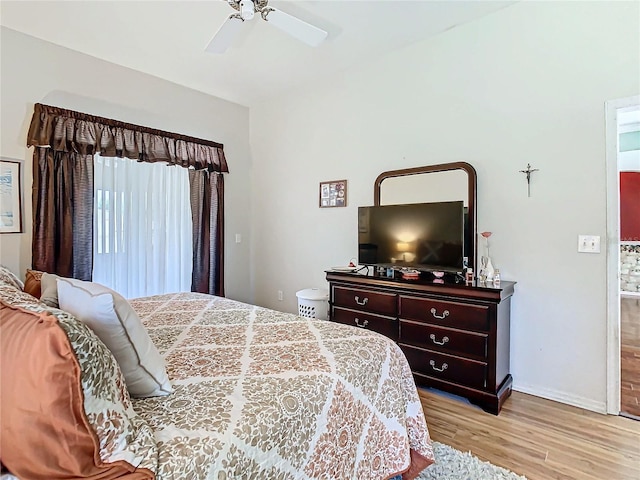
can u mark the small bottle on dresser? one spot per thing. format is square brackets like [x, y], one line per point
[496, 278]
[468, 276]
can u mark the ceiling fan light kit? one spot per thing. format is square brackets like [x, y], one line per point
[303, 31]
[247, 9]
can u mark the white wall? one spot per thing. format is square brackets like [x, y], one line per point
[524, 85]
[34, 71]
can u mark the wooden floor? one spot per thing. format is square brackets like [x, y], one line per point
[630, 355]
[538, 438]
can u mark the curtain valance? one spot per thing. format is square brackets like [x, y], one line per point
[69, 131]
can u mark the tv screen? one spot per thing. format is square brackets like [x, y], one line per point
[428, 236]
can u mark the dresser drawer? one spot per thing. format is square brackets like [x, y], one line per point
[463, 371]
[384, 325]
[365, 300]
[447, 340]
[448, 314]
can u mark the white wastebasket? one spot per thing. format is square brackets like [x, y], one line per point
[313, 303]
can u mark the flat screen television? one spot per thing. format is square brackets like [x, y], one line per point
[424, 236]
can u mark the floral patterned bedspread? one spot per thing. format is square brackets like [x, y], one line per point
[260, 394]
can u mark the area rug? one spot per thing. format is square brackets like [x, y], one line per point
[452, 464]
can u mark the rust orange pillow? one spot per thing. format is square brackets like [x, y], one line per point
[44, 431]
[32, 283]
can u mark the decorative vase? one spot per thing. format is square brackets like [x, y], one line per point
[487, 271]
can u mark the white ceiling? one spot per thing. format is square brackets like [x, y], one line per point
[167, 38]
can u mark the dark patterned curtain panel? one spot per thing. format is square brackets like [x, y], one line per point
[207, 207]
[63, 213]
[65, 142]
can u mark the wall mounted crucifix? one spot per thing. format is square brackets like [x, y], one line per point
[528, 173]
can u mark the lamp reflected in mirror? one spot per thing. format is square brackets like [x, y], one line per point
[405, 252]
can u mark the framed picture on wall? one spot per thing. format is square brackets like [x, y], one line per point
[333, 194]
[10, 197]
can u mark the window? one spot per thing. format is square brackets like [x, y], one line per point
[142, 227]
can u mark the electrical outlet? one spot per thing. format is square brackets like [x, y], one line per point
[589, 243]
[280, 296]
[238, 238]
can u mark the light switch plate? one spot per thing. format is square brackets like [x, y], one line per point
[589, 243]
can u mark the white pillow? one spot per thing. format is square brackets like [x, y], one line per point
[49, 290]
[113, 320]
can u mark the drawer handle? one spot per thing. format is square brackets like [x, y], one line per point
[363, 324]
[363, 302]
[433, 365]
[444, 314]
[433, 339]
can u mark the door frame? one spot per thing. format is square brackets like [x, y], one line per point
[613, 249]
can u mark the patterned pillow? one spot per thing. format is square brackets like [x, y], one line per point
[14, 296]
[121, 441]
[7, 277]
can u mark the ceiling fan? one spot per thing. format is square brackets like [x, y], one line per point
[222, 40]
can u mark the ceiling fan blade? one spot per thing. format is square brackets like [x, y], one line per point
[224, 37]
[295, 27]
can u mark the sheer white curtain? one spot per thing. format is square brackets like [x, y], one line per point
[142, 227]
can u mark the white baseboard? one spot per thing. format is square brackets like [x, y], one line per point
[562, 397]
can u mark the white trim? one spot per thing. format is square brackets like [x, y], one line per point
[562, 397]
[613, 250]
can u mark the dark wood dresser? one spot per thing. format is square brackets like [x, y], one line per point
[455, 336]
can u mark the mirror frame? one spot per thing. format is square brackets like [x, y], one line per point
[472, 184]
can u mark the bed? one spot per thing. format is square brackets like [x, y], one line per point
[260, 394]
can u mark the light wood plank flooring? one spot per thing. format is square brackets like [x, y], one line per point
[630, 355]
[538, 438]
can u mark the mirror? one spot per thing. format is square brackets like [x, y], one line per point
[433, 183]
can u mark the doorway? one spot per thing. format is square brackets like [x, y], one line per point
[623, 256]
